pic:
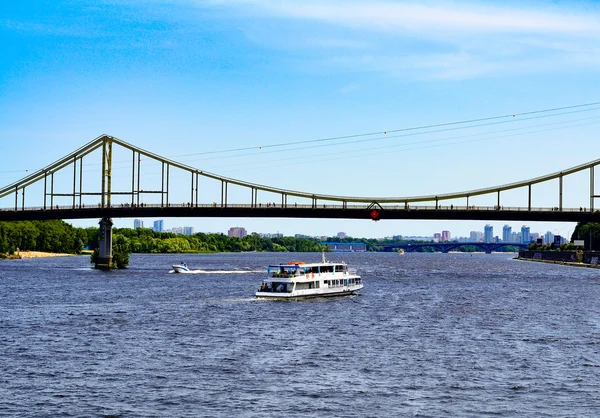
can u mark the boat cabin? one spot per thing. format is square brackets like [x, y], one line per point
[299, 276]
[293, 269]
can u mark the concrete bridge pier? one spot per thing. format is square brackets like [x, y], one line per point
[104, 260]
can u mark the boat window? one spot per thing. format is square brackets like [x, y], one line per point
[317, 285]
[276, 287]
[339, 267]
[326, 269]
[280, 271]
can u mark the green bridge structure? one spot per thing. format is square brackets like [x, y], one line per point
[120, 188]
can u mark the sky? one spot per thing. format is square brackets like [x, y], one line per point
[329, 97]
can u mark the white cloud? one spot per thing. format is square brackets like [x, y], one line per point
[416, 16]
[446, 39]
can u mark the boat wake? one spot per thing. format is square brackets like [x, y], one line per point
[216, 271]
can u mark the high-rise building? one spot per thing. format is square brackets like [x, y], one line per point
[488, 233]
[138, 223]
[237, 231]
[341, 235]
[525, 237]
[158, 226]
[446, 236]
[548, 238]
[182, 230]
[437, 237]
[507, 234]
[475, 236]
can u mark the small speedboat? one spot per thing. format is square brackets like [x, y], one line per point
[181, 268]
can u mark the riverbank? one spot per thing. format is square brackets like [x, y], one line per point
[565, 263]
[567, 258]
[35, 254]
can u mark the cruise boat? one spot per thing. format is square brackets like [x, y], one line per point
[181, 268]
[298, 279]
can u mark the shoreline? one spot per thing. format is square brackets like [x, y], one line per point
[565, 263]
[35, 254]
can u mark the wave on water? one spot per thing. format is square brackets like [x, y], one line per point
[236, 300]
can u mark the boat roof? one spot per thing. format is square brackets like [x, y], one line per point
[298, 265]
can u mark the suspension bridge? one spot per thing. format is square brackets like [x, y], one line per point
[68, 189]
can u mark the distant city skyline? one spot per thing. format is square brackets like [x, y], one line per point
[523, 236]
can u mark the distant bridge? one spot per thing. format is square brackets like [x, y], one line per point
[445, 247]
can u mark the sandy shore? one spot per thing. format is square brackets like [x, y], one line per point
[40, 254]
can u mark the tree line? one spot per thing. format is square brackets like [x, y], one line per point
[62, 237]
[47, 236]
[144, 240]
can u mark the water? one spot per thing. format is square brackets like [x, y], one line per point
[431, 335]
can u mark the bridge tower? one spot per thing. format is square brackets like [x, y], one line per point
[106, 171]
[104, 260]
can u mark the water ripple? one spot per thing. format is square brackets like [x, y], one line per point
[431, 335]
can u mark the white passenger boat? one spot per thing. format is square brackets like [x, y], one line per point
[298, 279]
[181, 268]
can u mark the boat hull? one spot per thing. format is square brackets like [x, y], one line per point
[298, 295]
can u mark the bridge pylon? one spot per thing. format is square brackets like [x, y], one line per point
[104, 260]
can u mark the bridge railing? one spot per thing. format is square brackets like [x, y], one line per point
[279, 206]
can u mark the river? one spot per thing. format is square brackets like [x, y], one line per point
[430, 335]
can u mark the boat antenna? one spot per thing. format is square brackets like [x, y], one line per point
[323, 255]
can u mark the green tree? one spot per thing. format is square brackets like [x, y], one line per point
[589, 232]
[121, 251]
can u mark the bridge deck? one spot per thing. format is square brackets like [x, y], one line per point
[303, 211]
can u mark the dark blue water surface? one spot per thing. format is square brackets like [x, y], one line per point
[430, 335]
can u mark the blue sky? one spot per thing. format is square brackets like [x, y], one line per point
[182, 78]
